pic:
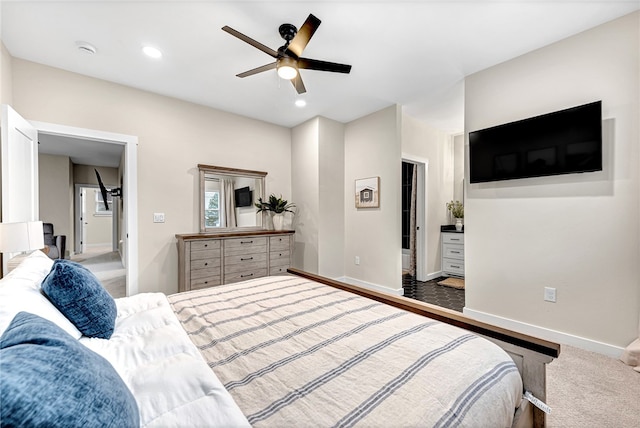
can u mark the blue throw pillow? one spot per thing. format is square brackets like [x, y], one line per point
[48, 378]
[78, 294]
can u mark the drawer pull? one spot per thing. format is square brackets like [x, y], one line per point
[206, 282]
[280, 254]
[454, 239]
[244, 276]
[246, 242]
[456, 267]
[455, 252]
[206, 264]
[247, 258]
[206, 245]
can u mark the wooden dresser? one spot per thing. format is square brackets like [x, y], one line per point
[208, 259]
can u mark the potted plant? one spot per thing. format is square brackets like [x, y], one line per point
[457, 211]
[276, 206]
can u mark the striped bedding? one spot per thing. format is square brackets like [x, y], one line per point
[293, 352]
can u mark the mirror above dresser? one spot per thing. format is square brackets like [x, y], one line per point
[227, 198]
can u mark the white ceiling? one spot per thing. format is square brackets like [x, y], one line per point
[412, 53]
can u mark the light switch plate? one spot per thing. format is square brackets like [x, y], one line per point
[158, 217]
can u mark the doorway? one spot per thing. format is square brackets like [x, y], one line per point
[413, 216]
[129, 213]
[96, 225]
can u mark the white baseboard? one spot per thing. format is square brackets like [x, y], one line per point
[432, 276]
[547, 334]
[371, 286]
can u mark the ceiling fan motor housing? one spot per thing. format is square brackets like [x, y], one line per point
[288, 32]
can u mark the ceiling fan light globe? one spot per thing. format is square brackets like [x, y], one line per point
[287, 68]
[287, 72]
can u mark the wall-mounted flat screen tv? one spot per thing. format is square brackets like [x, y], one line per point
[244, 197]
[563, 142]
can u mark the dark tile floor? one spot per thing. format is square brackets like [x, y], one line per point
[431, 292]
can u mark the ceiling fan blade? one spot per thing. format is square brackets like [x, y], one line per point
[314, 64]
[298, 84]
[257, 70]
[249, 40]
[303, 36]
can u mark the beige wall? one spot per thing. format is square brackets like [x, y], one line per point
[331, 223]
[305, 182]
[174, 136]
[372, 149]
[6, 76]
[436, 147]
[317, 181]
[55, 199]
[578, 233]
[86, 174]
[458, 168]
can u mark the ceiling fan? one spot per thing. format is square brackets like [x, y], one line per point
[288, 60]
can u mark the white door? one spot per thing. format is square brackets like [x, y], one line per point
[19, 154]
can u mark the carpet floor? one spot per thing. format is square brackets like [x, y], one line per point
[589, 390]
[108, 268]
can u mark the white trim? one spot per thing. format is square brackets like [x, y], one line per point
[371, 286]
[547, 334]
[434, 275]
[130, 185]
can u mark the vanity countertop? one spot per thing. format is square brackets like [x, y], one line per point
[451, 228]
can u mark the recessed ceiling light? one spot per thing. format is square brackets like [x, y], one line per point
[152, 52]
[86, 47]
[300, 102]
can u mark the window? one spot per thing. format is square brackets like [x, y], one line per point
[100, 208]
[212, 209]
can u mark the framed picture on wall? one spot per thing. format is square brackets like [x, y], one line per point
[368, 192]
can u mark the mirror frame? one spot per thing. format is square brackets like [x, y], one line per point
[231, 172]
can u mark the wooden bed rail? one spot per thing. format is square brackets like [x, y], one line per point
[448, 316]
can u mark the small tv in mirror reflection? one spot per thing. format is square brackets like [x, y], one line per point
[244, 197]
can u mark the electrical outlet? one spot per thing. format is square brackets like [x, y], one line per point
[549, 294]
[158, 217]
[357, 260]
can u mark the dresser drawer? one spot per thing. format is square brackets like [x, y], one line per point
[279, 243]
[205, 254]
[242, 246]
[205, 282]
[246, 260]
[279, 258]
[453, 251]
[278, 270]
[205, 273]
[244, 275]
[455, 267]
[453, 238]
[205, 264]
[205, 244]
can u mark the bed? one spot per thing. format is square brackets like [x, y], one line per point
[294, 350]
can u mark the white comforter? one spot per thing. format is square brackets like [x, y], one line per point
[168, 376]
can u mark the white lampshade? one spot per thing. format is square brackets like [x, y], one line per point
[22, 236]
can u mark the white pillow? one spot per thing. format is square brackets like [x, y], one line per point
[20, 291]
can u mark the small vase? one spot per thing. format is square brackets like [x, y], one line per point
[458, 224]
[268, 218]
[278, 221]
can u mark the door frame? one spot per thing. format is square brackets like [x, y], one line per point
[421, 213]
[130, 189]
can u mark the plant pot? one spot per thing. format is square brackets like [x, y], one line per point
[268, 219]
[278, 221]
[458, 224]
